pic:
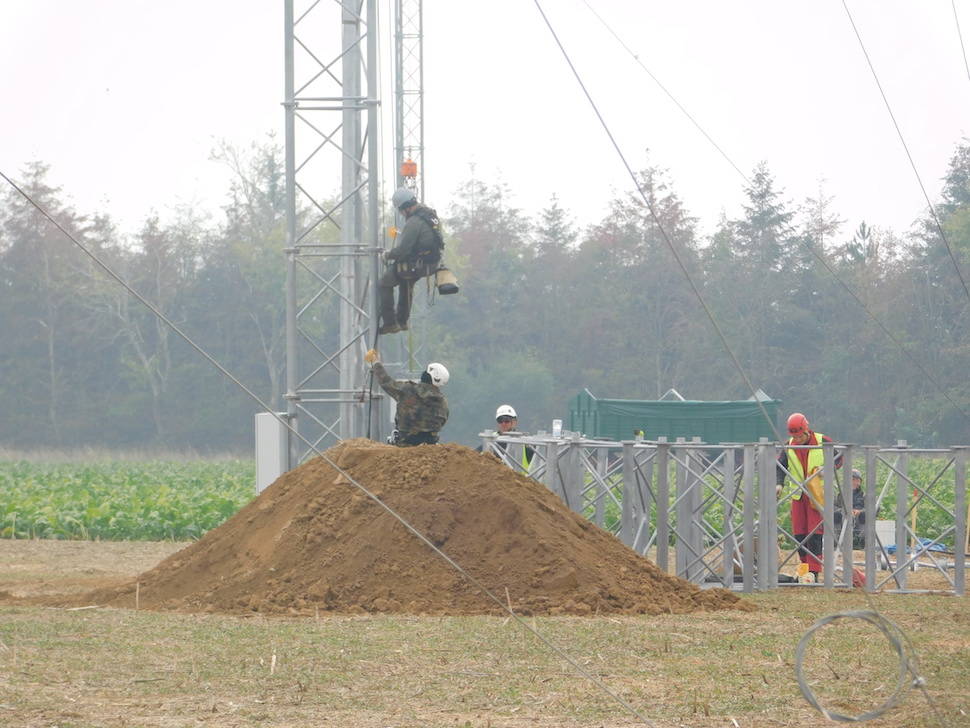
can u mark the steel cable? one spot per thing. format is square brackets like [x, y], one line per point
[663, 232]
[929, 204]
[901, 645]
[812, 249]
[669, 95]
[963, 48]
[283, 421]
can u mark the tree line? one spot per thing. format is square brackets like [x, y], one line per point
[547, 308]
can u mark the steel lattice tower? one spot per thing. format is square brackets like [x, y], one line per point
[409, 91]
[333, 232]
[409, 148]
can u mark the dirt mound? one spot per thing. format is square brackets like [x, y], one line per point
[312, 542]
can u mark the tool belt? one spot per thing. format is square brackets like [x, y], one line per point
[417, 438]
[412, 270]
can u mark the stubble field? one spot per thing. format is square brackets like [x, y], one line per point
[86, 667]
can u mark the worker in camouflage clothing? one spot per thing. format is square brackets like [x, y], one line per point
[422, 409]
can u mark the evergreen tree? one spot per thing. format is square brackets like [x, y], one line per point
[774, 328]
[45, 329]
[764, 233]
[554, 235]
[632, 324]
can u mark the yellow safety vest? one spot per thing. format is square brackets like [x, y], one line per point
[525, 461]
[816, 458]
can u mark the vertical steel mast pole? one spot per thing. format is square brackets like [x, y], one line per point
[373, 199]
[348, 357]
[292, 363]
[398, 93]
[421, 95]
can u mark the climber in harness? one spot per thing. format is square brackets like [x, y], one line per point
[417, 255]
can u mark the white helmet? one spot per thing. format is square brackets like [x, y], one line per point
[438, 373]
[505, 410]
[402, 196]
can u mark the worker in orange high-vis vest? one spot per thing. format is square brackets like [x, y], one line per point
[797, 465]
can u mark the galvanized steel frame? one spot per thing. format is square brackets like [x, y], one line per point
[410, 350]
[409, 89]
[717, 506]
[334, 111]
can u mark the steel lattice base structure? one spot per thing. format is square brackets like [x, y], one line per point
[710, 513]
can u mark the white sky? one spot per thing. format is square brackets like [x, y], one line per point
[126, 98]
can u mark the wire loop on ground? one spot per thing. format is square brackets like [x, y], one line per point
[899, 643]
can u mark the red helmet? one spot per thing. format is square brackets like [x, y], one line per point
[797, 423]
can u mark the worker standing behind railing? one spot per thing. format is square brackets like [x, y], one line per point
[506, 421]
[803, 469]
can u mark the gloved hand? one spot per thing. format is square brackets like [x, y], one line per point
[371, 356]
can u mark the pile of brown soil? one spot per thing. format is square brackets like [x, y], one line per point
[312, 542]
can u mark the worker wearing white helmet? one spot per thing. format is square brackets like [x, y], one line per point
[422, 409]
[507, 420]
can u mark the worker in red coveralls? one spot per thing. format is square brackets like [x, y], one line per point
[799, 465]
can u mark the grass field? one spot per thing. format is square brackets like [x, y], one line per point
[101, 667]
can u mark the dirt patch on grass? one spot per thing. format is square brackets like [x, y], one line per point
[33, 568]
[313, 543]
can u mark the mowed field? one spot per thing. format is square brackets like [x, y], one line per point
[86, 667]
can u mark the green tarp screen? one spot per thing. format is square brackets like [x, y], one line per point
[713, 422]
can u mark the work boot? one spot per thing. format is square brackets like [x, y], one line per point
[391, 328]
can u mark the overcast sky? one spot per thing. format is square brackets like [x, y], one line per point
[126, 98]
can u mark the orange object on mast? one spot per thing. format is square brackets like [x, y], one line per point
[409, 168]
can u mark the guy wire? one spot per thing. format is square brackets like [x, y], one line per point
[908, 663]
[283, 421]
[929, 204]
[812, 249]
[669, 95]
[663, 232]
[963, 49]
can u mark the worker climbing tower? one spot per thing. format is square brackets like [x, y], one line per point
[333, 224]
